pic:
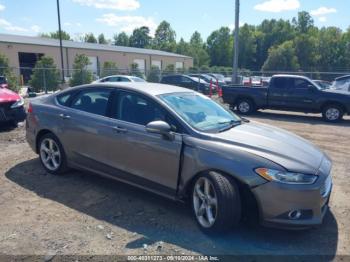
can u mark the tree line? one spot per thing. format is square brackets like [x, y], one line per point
[273, 45]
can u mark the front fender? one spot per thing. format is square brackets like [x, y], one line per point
[202, 155]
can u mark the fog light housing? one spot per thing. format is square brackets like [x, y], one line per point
[294, 215]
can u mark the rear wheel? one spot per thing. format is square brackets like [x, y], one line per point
[216, 203]
[52, 155]
[332, 113]
[245, 106]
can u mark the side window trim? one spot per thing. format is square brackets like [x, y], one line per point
[113, 111]
[85, 89]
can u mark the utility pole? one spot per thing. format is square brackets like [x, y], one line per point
[235, 58]
[60, 36]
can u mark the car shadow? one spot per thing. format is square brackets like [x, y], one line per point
[297, 118]
[7, 127]
[158, 219]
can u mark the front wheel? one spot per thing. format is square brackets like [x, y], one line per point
[216, 203]
[332, 113]
[52, 155]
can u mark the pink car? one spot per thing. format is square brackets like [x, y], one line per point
[11, 105]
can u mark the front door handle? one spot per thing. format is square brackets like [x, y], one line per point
[119, 129]
[63, 116]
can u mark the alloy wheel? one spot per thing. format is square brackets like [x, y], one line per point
[205, 202]
[50, 154]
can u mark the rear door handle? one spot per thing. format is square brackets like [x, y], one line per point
[119, 129]
[63, 116]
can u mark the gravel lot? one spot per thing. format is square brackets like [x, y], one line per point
[83, 214]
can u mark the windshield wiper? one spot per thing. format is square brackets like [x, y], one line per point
[231, 124]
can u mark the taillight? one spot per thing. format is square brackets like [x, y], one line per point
[30, 108]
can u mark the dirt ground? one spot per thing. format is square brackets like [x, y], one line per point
[83, 214]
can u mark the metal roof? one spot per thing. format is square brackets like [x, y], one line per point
[43, 41]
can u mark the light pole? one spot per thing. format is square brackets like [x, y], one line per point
[60, 36]
[235, 58]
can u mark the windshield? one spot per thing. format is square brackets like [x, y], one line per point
[137, 79]
[201, 112]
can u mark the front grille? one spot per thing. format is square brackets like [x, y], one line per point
[5, 107]
[2, 115]
[326, 187]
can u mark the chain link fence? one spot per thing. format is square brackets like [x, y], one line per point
[51, 80]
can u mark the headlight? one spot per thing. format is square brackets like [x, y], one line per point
[18, 103]
[285, 177]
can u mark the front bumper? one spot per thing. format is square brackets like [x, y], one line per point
[12, 114]
[277, 201]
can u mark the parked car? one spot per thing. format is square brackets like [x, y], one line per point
[323, 84]
[204, 77]
[182, 145]
[290, 93]
[193, 83]
[11, 105]
[342, 83]
[256, 81]
[220, 78]
[119, 78]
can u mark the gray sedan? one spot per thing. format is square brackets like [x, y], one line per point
[182, 145]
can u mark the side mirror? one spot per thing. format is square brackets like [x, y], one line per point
[161, 128]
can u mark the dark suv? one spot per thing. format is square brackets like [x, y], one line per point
[193, 83]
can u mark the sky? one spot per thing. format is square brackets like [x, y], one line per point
[31, 17]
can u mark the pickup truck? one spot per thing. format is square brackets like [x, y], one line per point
[289, 93]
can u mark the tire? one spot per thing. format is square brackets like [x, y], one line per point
[52, 155]
[227, 210]
[245, 106]
[332, 113]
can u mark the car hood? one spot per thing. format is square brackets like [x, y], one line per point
[6, 95]
[337, 91]
[279, 146]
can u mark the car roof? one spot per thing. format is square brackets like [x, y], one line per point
[127, 76]
[342, 78]
[153, 89]
[291, 76]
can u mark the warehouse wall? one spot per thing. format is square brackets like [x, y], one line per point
[123, 60]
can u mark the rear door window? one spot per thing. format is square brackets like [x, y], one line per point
[281, 83]
[94, 101]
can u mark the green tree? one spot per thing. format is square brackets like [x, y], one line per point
[121, 40]
[331, 50]
[183, 48]
[303, 23]
[6, 71]
[169, 69]
[102, 40]
[109, 68]
[305, 48]
[197, 50]
[56, 35]
[271, 33]
[164, 38]
[135, 71]
[45, 75]
[154, 75]
[282, 58]
[81, 75]
[219, 45]
[248, 47]
[140, 37]
[90, 38]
